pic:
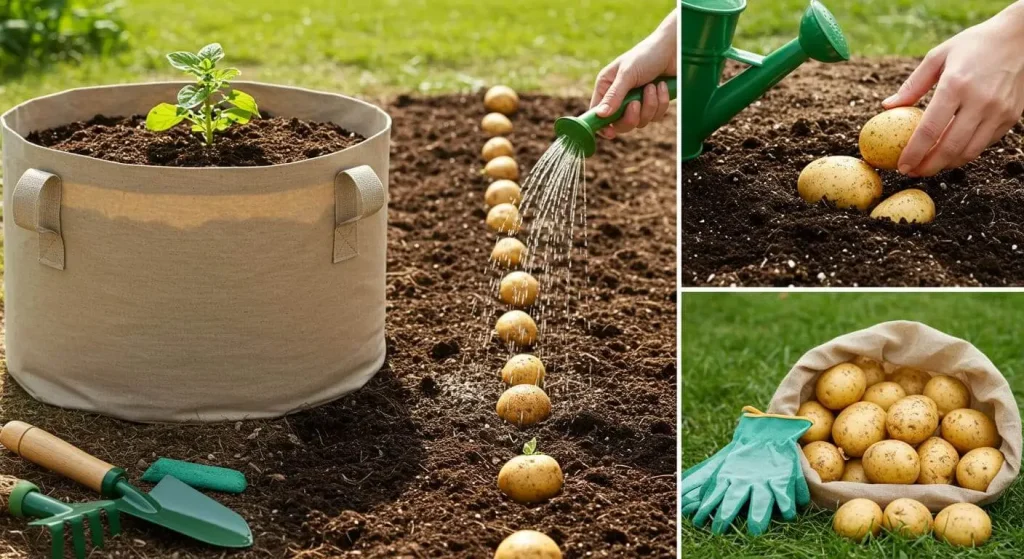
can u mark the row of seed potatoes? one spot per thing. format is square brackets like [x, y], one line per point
[531, 477]
[907, 427]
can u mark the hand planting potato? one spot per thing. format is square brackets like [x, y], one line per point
[840, 386]
[518, 289]
[884, 394]
[891, 461]
[501, 99]
[497, 146]
[821, 419]
[857, 518]
[524, 404]
[517, 329]
[883, 138]
[496, 124]
[912, 380]
[907, 517]
[825, 459]
[910, 205]
[912, 419]
[978, 468]
[523, 369]
[845, 181]
[531, 477]
[938, 462]
[968, 429]
[502, 167]
[948, 393]
[504, 218]
[857, 427]
[503, 191]
[854, 472]
[527, 544]
[874, 373]
[963, 524]
[509, 252]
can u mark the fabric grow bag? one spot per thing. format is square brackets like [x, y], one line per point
[193, 294]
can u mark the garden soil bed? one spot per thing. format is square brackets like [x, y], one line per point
[744, 224]
[406, 467]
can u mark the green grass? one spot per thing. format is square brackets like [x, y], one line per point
[872, 27]
[738, 346]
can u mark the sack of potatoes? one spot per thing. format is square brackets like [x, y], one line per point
[903, 411]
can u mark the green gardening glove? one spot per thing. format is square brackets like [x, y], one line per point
[760, 468]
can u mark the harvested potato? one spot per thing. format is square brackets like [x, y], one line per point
[503, 191]
[884, 394]
[509, 252]
[854, 472]
[968, 429]
[531, 477]
[527, 544]
[912, 419]
[911, 205]
[821, 419]
[524, 404]
[891, 461]
[496, 124]
[845, 181]
[978, 468]
[948, 393]
[938, 462]
[857, 518]
[963, 524]
[825, 459]
[883, 138]
[517, 329]
[518, 289]
[501, 99]
[912, 380]
[523, 369]
[504, 218]
[857, 427]
[873, 370]
[502, 167]
[497, 146]
[907, 517]
[840, 386]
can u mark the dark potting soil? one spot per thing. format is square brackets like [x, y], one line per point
[266, 141]
[744, 224]
[407, 466]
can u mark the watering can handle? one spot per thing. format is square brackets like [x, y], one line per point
[635, 94]
[745, 56]
[54, 454]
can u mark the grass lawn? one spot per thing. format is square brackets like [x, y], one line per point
[738, 346]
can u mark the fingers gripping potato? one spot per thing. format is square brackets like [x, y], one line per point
[883, 138]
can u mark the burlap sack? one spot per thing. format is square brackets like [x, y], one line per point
[912, 344]
[184, 294]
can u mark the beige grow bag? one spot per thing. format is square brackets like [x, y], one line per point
[183, 294]
[910, 344]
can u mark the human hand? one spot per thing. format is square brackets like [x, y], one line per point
[651, 58]
[979, 96]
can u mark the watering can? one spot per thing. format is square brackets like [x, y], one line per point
[707, 28]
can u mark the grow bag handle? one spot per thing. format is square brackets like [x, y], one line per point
[358, 193]
[37, 209]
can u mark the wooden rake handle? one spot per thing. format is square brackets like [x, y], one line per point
[42, 448]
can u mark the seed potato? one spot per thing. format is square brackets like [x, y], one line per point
[503, 191]
[508, 252]
[840, 386]
[884, 394]
[825, 459]
[891, 461]
[912, 419]
[963, 524]
[874, 373]
[911, 205]
[978, 468]
[845, 181]
[518, 289]
[912, 380]
[821, 418]
[517, 329]
[501, 99]
[938, 462]
[854, 472]
[531, 478]
[968, 429]
[497, 146]
[523, 369]
[524, 404]
[496, 124]
[504, 218]
[907, 517]
[948, 393]
[502, 167]
[857, 427]
[884, 136]
[527, 544]
[857, 518]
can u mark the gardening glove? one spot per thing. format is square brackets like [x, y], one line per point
[759, 468]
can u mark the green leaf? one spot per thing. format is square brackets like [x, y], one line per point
[530, 448]
[163, 117]
[243, 101]
[198, 128]
[184, 61]
[190, 96]
[226, 74]
[222, 124]
[212, 52]
[234, 114]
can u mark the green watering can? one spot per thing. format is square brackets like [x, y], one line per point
[707, 28]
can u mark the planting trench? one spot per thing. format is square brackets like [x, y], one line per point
[744, 224]
[406, 467]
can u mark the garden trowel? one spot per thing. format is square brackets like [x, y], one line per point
[171, 504]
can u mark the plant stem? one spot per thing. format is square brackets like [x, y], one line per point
[208, 121]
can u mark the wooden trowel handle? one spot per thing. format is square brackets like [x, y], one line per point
[39, 447]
